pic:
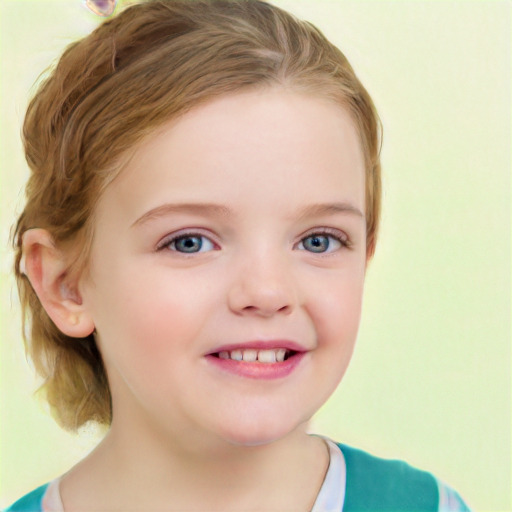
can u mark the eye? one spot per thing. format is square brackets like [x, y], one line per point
[188, 244]
[322, 243]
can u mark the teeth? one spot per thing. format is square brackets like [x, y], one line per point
[267, 356]
[236, 355]
[251, 355]
[280, 355]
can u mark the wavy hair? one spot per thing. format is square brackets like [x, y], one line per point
[152, 62]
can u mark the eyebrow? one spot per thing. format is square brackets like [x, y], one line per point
[317, 210]
[217, 210]
[206, 209]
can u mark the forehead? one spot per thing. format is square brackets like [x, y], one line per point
[272, 145]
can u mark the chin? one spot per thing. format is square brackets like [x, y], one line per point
[259, 432]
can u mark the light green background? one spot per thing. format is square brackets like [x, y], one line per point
[430, 380]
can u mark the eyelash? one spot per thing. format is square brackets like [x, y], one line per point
[332, 234]
[168, 241]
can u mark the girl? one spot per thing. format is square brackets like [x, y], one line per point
[203, 203]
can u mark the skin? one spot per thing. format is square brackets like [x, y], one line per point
[180, 424]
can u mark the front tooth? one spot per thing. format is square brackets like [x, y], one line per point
[267, 356]
[280, 355]
[236, 355]
[250, 355]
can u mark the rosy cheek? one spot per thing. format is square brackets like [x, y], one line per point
[165, 319]
[337, 315]
[155, 324]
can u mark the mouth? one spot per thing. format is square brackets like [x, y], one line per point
[251, 355]
[258, 360]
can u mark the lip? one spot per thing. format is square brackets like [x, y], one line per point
[256, 370]
[260, 345]
[262, 371]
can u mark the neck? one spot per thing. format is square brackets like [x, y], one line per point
[134, 470]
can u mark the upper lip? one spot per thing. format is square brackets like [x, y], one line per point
[259, 345]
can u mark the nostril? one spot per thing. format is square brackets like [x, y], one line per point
[250, 295]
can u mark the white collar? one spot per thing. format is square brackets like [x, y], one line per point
[332, 493]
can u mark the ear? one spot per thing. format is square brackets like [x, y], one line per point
[46, 268]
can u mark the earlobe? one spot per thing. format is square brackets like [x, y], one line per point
[46, 267]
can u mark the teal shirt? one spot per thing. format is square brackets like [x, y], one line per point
[31, 502]
[375, 484]
[372, 485]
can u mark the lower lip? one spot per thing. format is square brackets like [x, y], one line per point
[263, 371]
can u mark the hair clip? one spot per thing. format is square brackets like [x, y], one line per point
[101, 7]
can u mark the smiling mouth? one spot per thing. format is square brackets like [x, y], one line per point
[259, 360]
[250, 355]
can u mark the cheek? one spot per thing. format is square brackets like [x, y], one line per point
[148, 316]
[337, 311]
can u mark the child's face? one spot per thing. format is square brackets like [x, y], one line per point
[228, 229]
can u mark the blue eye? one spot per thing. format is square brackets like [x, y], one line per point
[189, 244]
[321, 243]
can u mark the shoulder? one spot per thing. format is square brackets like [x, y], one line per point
[373, 483]
[31, 502]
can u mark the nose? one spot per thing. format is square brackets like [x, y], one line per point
[263, 287]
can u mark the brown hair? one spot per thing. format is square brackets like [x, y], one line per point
[153, 61]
